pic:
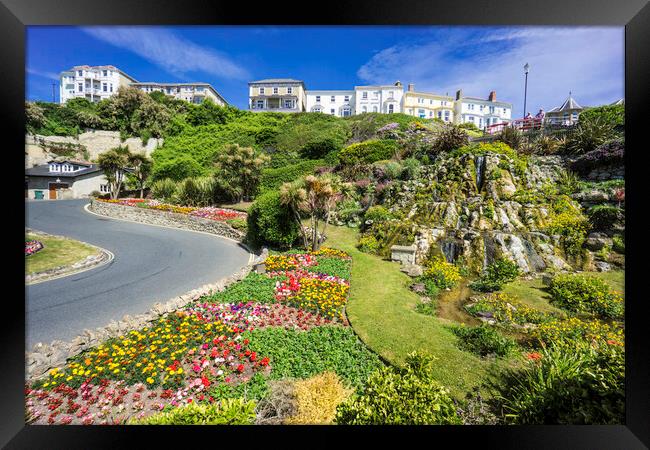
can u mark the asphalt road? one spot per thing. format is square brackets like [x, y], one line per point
[151, 264]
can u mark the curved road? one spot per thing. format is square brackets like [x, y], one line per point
[151, 264]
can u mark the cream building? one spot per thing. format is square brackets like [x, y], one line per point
[385, 99]
[335, 103]
[190, 92]
[277, 94]
[427, 105]
[481, 112]
[94, 83]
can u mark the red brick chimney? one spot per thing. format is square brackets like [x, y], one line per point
[493, 96]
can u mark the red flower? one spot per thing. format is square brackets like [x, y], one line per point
[205, 381]
[240, 368]
[265, 361]
[534, 356]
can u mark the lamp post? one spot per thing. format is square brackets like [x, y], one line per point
[526, 69]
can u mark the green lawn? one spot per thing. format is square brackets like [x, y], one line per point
[535, 295]
[241, 206]
[381, 311]
[56, 252]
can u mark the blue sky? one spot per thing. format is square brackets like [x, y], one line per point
[588, 61]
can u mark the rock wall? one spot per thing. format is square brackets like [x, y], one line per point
[170, 219]
[89, 145]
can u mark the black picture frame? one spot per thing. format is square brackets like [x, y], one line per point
[15, 15]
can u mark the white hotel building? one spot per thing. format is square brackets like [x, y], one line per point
[481, 112]
[385, 99]
[96, 83]
[335, 103]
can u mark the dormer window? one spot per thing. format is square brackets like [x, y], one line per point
[55, 167]
[289, 90]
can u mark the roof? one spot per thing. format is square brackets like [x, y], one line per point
[44, 171]
[198, 83]
[428, 94]
[277, 80]
[78, 162]
[110, 67]
[620, 101]
[487, 101]
[326, 92]
[569, 104]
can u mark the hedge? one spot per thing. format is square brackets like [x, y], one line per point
[272, 179]
[270, 223]
[368, 151]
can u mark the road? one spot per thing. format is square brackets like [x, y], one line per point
[151, 264]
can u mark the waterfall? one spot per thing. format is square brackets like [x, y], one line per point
[479, 162]
[451, 249]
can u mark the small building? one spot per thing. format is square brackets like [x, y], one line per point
[190, 92]
[567, 114]
[93, 83]
[427, 105]
[480, 111]
[335, 103]
[385, 99]
[64, 179]
[277, 95]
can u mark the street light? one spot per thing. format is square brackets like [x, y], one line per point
[526, 69]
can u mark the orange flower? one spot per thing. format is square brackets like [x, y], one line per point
[534, 356]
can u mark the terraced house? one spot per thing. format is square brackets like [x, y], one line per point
[277, 94]
[427, 105]
[335, 103]
[190, 92]
[480, 111]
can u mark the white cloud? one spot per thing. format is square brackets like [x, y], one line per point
[43, 74]
[173, 53]
[588, 61]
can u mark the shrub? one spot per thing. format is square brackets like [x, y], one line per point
[302, 354]
[279, 404]
[317, 399]
[612, 152]
[497, 274]
[368, 244]
[227, 412]
[483, 340]
[568, 331]
[618, 243]
[443, 274]
[368, 151]
[319, 149]
[237, 224]
[377, 213]
[271, 223]
[450, 138]
[567, 220]
[546, 145]
[603, 217]
[410, 169]
[272, 179]
[429, 308]
[613, 115]
[505, 309]
[589, 134]
[177, 168]
[579, 293]
[512, 137]
[163, 189]
[580, 385]
[198, 191]
[430, 286]
[401, 396]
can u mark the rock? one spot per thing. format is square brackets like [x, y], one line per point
[485, 314]
[412, 270]
[602, 266]
[547, 279]
[418, 288]
[597, 241]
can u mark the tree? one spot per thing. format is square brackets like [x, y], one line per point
[241, 167]
[114, 164]
[315, 195]
[139, 170]
[294, 196]
[34, 116]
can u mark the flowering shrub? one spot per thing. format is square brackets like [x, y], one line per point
[444, 275]
[579, 293]
[208, 212]
[505, 309]
[32, 247]
[568, 331]
[612, 152]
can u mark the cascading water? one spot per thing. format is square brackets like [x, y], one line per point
[479, 162]
[451, 249]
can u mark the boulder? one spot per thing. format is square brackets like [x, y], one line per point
[602, 266]
[597, 241]
[418, 288]
[412, 270]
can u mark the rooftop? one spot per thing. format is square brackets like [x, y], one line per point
[569, 104]
[277, 80]
[44, 171]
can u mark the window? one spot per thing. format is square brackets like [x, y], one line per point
[481, 108]
[390, 94]
[504, 110]
[364, 95]
[431, 102]
[391, 108]
[289, 90]
[81, 87]
[420, 100]
[317, 109]
[288, 104]
[80, 73]
[421, 113]
[439, 114]
[261, 91]
[260, 104]
[480, 122]
[55, 168]
[275, 90]
[318, 99]
[346, 112]
[105, 73]
[491, 109]
[471, 119]
[347, 98]
[470, 106]
[332, 112]
[430, 113]
[103, 188]
[446, 116]
[333, 98]
[104, 87]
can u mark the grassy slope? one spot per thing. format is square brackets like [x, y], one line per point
[381, 311]
[534, 293]
[56, 252]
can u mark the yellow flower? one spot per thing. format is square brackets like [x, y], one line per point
[150, 380]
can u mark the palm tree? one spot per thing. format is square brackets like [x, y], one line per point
[294, 196]
[140, 169]
[321, 196]
[114, 164]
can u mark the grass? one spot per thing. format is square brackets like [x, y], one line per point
[535, 295]
[241, 206]
[381, 309]
[56, 252]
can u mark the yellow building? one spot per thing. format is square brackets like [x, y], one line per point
[277, 94]
[428, 106]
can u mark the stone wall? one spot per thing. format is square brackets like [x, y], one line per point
[38, 149]
[170, 219]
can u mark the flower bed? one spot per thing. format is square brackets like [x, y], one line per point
[32, 247]
[197, 354]
[504, 309]
[208, 212]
